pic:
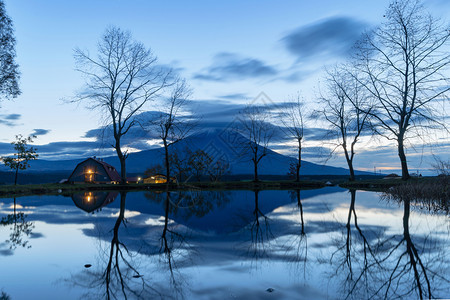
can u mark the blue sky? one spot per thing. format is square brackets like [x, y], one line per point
[229, 51]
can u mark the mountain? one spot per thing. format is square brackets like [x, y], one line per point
[217, 143]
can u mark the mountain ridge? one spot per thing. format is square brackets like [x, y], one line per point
[217, 143]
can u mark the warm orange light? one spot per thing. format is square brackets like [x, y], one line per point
[88, 196]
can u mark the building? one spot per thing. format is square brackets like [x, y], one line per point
[94, 170]
[159, 178]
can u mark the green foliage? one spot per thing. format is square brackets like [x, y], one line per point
[4, 296]
[23, 154]
[9, 70]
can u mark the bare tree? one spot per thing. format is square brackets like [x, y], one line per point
[170, 125]
[9, 70]
[255, 127]
[120, 81]
[199, 163]
[292, 118]
[217, 169]
[404, 63]
[440, 166]
[179, 163]
[340, 110]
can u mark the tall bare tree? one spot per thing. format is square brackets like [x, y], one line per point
[293, 120]
[120, 80]
[340, 110]
[171, 125]
[9, 69]
[255, 127]
[405, 63]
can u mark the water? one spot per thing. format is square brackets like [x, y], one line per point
[316, 244]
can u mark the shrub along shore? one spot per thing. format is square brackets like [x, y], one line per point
[380, 185]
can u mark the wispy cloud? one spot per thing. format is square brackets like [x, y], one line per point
[230, 66]
[332, 36]
[38, 131]
[10, 119]
[236, 96]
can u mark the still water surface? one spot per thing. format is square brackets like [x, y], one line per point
[317, 244]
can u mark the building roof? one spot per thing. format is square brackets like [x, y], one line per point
[110, 170]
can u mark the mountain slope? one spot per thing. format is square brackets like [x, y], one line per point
[218, 143]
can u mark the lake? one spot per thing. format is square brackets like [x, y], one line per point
[327, 243]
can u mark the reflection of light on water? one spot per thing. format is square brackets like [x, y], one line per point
[17, 206]
[127, 214]
[157, 221]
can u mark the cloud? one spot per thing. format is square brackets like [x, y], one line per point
[38, 131]
[331, 36]
[9, 120]
[230, 66]
[13, 117]
[237, 96]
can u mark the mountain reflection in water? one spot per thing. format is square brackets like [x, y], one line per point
[323, 244]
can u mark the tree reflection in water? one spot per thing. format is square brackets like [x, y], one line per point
[419, 271]
[170, 242]
[298, 244]
[20, 230]
[356, 258]
[385, 266]
[121, 278]
[259, 230]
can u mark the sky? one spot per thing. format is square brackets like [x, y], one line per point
[230, 52]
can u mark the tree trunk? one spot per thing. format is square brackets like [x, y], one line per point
[122, 158]
[17, 172]
[402, 156]
[352, 171]
[255, 163]
[349, 163]
[123, 172]
[167, 163]
[299, 164]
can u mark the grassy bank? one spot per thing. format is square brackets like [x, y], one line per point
[384, 184]
[55, 189]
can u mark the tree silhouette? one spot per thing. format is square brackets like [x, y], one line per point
[9, 69]
[20, 228]
[403, 66]
[120, 81]
[24, 153]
